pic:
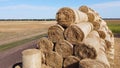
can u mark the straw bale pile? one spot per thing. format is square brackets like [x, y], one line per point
[80, 39]
[67, 16]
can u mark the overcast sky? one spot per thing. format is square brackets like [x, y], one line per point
[44, 9]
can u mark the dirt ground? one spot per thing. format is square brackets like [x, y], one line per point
[117, 53]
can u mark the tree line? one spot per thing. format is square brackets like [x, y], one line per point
[27, 19]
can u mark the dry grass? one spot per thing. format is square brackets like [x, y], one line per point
[117, 53]
[17, 30]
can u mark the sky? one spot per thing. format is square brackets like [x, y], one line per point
[45, 9]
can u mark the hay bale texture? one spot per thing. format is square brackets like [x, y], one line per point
[45, 66]
[93, 39]
[91, 63]
[71, 62]
[102, 58]
[83, 51]
[93, 16]
[54, 60]
[67, 16]
[45, 45]
[106, 34]
[64, 48]
[77, 32]
[55, 33]
[86, 9]
[31, 58]
[89, 47]
[99, 24]
[110, 56]
[80, 39]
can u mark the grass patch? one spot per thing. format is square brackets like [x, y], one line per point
[114, 27]
[17, 43]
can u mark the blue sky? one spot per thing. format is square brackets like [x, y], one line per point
[39, 9]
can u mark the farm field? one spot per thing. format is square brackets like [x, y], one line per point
[11, 31]
[114, 25]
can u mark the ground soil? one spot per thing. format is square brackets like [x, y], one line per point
[117, 53]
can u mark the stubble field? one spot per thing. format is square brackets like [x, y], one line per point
[11, 31]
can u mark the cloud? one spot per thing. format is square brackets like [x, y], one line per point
[26, 7]
[107, 9]
[106, 5]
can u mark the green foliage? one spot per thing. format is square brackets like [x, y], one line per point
[114, 27]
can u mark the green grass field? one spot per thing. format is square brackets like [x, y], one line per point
[114, 25]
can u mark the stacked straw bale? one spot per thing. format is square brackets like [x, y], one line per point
[71, 62]
[77, 32]
[80, 39]
[55, 33]
[91, 63]
[93, 16]
[67, 16]
[64, 48]
[31, 58]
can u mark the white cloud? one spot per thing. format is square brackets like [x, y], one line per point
[106, 5]
[19, 7]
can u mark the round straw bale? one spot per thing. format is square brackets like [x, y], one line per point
[45, 45]
[55, 33]
[95, 41]
[108, 41]
[89, 47]
[54, 60]
[71, 62]
[64, 48]
[102, 34]
[103, 45]
[111, 37]
[93, 37]
[110, 33]
[90, 63]
[110, 56]
[45, 66]
[67, 16]
[93, 33]
[29, 56]
[83, 51]
[99, 24]
[43, 57]
[77, 32]
[108, 44]
[92, 17]
[86, 9]
[102, 58]
[112, 41]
